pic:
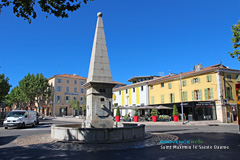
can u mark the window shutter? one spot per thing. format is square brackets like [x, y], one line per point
[185, 96]
[206, 94]
[226, 91]
[231, 97]
[200, 94]
[169, 98]
[192, 81]
[210, 78]
[152, 99]
[193, 95]
[211, 93]
[198, 80]
[173, 98]
[162, 98]
[207, 78]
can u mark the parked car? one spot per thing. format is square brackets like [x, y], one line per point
[21, 118]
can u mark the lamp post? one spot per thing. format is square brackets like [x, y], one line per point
[181, 97]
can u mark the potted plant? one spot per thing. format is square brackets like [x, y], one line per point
[136, 115]
[117, 117]
[175, 113]
[154, 114]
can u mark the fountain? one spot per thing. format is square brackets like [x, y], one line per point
[99, 126]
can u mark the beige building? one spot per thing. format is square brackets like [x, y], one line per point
[67, 87]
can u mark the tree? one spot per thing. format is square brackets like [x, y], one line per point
[4, 87]
[15, 97]
[34, 89]
[235, 41]
[59, 8]
[75, 105]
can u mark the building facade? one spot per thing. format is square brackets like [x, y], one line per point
[67, 87]
[209, 93]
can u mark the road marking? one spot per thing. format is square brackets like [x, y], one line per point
[35, 128]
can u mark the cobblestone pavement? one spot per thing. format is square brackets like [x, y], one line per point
[44, 141]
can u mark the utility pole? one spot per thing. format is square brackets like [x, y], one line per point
[181, 97]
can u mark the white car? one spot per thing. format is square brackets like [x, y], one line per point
[21, 118]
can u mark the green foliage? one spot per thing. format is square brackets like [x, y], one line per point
[235, 41]
[126, 117]
[75, 104]
[4, 87]
[26, 8]
[84, 104]
[175, 110]
[136, 112]
[34, 89]
[154, 112]
[118, 112]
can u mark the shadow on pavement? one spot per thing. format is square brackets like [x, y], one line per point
[150, 153]
[7, 139]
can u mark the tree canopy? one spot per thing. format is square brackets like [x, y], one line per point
[4, 87]
[26, 8]
[235, 41]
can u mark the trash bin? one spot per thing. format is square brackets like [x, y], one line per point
[190, 117]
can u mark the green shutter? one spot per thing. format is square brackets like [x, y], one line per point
[207, 78]
[173, 98]
[238, 77]
[206, 94]
[192, 81]
[193, 95]
[198, 80]
[152, 99]
[210, 78]
[226, 91]
[185, 96]
[231, 97]
[184, 83]
[200, 94]
[162, 98]
[211, 93]
[169, 85]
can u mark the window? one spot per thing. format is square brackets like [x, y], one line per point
[229, 78]
[59, 80]
[81, 99]
[169, 85]
[171, 98]
[75, 89]
[67, 100]
[58, 99]
[67, 80]
[162, 85]
[208, 93]
[82, 82]
[119, 92]
[209, 78]
[133, 89]
[141, 88]
[162, 98]
[75, 81]
[184, 82]
[75, 98]
[126, 91]
[195, 80]
[238, 77]
[82, 90]
[185, 96]
[151, 86]
[59, 88]
[67, 89]
[197, 95]
[229, 93]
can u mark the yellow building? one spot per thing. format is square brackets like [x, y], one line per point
[67, 87]
[207, 93]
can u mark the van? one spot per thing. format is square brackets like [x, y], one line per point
[21, 118]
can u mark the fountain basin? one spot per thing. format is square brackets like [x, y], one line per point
[76, 132]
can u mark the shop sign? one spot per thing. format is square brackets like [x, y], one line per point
[205, 104]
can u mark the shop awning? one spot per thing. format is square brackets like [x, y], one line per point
[145, 107]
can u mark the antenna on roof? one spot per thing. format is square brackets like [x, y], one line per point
[169, 72]
[221, 61]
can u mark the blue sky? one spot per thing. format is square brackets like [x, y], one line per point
[143, 38]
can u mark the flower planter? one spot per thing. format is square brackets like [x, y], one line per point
[175, 118]
[154, 118]
[117, 118]
[135, 118]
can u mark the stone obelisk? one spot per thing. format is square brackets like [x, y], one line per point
[99, 83]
